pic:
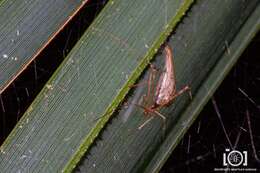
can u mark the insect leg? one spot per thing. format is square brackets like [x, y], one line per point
[147, 121]
[184, 89]
[151, 77]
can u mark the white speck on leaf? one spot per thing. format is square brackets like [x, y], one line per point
[2, 150]
[14, 58]
[69, 137]
[50, 87]
[23, 157]
[5, 56]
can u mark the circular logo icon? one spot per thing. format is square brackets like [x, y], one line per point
[235, 158]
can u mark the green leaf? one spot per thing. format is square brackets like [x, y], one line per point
[27, 27]
[93, 80]
[206, 45]
[206, 90]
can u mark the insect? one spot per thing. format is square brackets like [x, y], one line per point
[165, 91]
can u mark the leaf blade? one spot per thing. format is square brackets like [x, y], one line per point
[26, 30]
[197, 49]
[66, 108]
